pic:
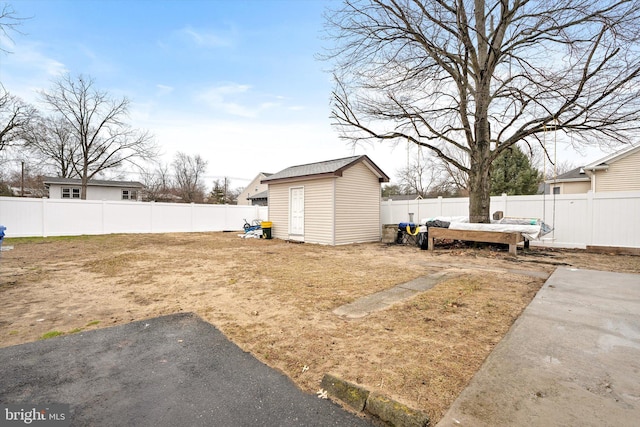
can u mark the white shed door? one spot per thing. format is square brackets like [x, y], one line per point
[296, 211]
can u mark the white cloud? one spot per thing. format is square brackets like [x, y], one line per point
[163, 89]
[30, 56]
[235, 99]
[205, 38]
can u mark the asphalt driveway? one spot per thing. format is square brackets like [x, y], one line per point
[167, 371]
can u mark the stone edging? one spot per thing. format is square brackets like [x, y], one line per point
[373, 403]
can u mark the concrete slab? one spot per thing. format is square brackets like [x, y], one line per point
[572, 358]
[530, 273]
[169, 371]
[384, 299]
[424, 283]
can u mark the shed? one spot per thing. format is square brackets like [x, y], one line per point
[334, 202]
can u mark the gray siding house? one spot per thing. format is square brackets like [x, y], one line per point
[334, 202]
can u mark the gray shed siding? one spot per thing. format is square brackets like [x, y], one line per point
[279, 210]
[318, 209]
[357, 217]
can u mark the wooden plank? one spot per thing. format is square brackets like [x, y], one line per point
[510, 238]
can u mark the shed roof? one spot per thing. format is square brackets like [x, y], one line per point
[324, 169]
[95, 182]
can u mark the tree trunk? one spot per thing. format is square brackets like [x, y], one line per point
[479, 197]
[480, 190]
[84, 181]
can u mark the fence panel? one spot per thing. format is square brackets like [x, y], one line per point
[26, 217]
[617, 219]
[127, 217]
[600, 219]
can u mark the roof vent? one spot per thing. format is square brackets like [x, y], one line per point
[582, 171]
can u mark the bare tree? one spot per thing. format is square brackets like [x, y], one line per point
[51, 140]
[429, 177]
[420, 175]
[15, 116]
[477, 76]
[9, 22]
[97, 125]
[188, 171]
[157, 184]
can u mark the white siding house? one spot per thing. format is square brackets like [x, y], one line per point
[334, 202]
[619, 171]
[67, 188]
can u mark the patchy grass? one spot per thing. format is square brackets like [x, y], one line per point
[50, 334]
[275, 300]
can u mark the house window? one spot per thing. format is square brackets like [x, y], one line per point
[129, 195]
[556, 190]
[70, 193]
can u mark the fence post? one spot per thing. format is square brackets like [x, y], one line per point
[44, 217]
[504, 204]
[192, 214]
[153, 204]
[590, 219]
[103, 217]
[439, 205]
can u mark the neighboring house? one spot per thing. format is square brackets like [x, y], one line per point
[248, 195]
[68, 188]
[619, 171]
[572, 182]
[334, 202]
[259, 199]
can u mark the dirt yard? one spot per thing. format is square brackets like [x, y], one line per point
[275, 300]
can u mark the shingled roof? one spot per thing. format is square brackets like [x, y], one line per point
[96, 182]
[324, 169]
[576, 174]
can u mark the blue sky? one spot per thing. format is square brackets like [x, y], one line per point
[237, 82]
[234, 81]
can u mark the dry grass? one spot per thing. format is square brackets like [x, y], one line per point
[275, 300]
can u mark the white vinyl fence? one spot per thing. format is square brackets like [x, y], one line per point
[579, 220]
[26, 217]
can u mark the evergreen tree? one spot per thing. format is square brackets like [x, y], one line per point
[512, 173]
